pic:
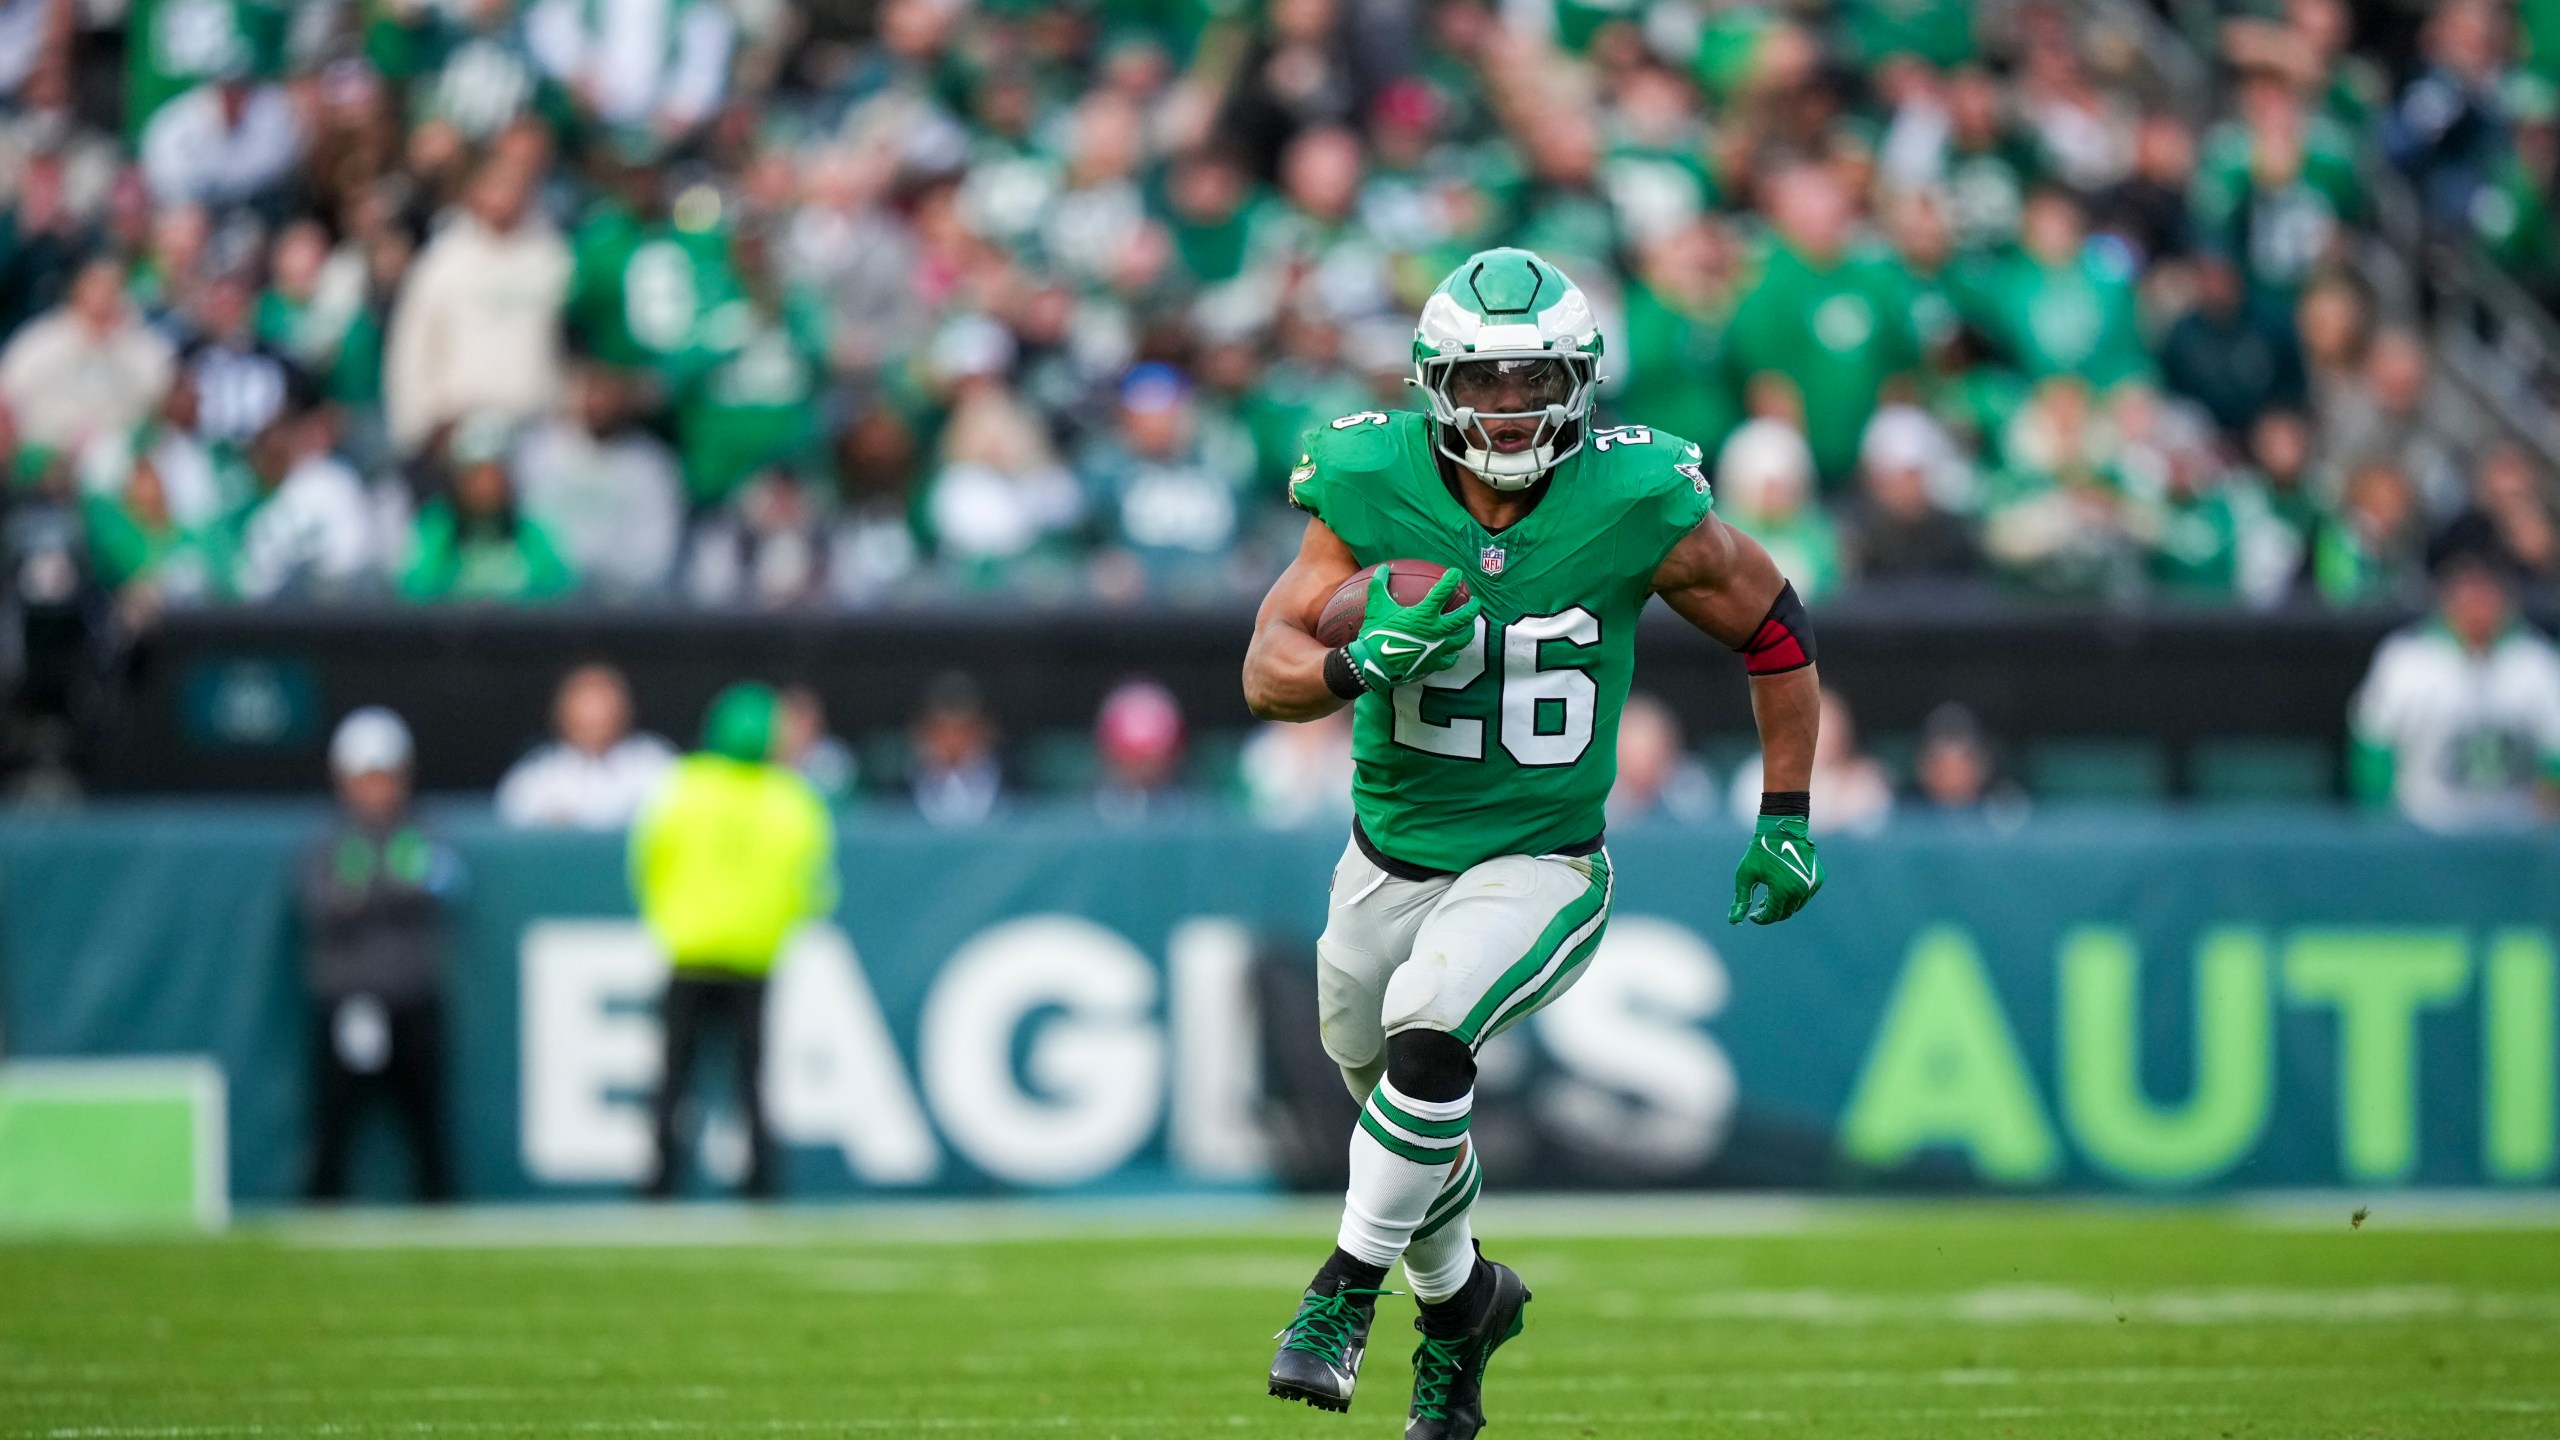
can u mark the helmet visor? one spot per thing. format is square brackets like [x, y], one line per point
[1518, 386]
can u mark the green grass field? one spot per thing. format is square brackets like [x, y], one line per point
[1761, 1319]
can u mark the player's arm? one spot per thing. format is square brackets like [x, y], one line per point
[1721, 581]
[1284, 667]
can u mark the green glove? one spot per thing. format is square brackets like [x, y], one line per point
[1780, 858]
[1399, 644]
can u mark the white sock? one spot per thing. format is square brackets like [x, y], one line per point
[1442, 1253]
[1402, 1155]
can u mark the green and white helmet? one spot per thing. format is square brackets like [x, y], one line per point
[1508, 330]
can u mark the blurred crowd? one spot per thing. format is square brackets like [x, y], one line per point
[747, 302]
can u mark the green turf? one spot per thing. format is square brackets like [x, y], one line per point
[1950, 1320]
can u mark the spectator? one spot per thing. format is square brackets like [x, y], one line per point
[2457, 725]
[2196, 527]
[999, 495]
[1138, 735]
[1851, 793]
[598, 772]
[1677, 306]
[1897, 531]
[954, 778]
[175, 46]
[477, 329]
[2147, 210]
[87, 369]
[2276, 188]
[2370, 551]
[807, 746]
[2230, 355]
[2392, 415]
[1297, 775]
[475, 543]
[733, 854]
[654, 68]
[2451, 126]
[1764, 481]
[1820, 331]
[2510, 510]
[1170, 491]
[2058, 305]
[139, 549]
[238, 381]
[225, 143]
[2277, 552]
[1658, 779]
[755, 404]
[1958, 771]
[375, 897]
[312, 531]
[606, 489]
[319, 311]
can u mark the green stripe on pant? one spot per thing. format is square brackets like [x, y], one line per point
[1530, 973]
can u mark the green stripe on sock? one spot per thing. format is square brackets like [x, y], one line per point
[1454, 1193]
[1572, 917]
[1398, 1145]
[1389, 1111]
[1466, 1198]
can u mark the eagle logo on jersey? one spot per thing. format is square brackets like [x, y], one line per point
[1696, 472]
[1491, 558]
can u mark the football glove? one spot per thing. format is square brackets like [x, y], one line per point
[1399, 644]
[1781, 862]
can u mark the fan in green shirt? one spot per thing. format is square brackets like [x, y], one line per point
[317, 311]
[2056, 304]
[1820, 323]
[2276, 187]
[1678, 305]
[644, 280]
[172, 46]
[135, 541]
[476, 544]
[756, 403]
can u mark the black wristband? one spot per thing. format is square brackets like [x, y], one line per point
[1798, 803]
[1341, 676]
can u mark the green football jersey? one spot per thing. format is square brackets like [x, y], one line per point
[1512, 750]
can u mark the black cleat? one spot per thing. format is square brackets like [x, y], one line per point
[1319, 1359]
[1448, 1370]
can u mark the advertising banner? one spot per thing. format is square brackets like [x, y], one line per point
[2146, 1002]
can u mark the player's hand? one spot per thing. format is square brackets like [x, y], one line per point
[1399, 644]
[1780, 862]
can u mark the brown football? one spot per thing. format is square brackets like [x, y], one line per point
[1407, 580]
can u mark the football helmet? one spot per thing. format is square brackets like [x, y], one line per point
[1508, 351]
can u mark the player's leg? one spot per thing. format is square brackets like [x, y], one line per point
[1369, 931]
[1507, 938]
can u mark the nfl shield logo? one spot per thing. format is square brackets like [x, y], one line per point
[1490, 559]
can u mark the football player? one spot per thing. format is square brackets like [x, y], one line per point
[1475, 887]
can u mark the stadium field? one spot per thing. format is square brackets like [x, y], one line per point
[1663, 1318]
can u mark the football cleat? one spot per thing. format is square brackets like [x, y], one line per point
[1319, 1358]
[1448, 1370]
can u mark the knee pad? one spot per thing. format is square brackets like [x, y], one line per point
[1430, 1065]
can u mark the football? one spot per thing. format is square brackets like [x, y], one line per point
[1407, 580]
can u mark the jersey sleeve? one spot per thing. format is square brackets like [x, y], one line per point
[1673, 496]
[1338, 473]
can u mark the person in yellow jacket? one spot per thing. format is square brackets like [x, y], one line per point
[729, 857]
